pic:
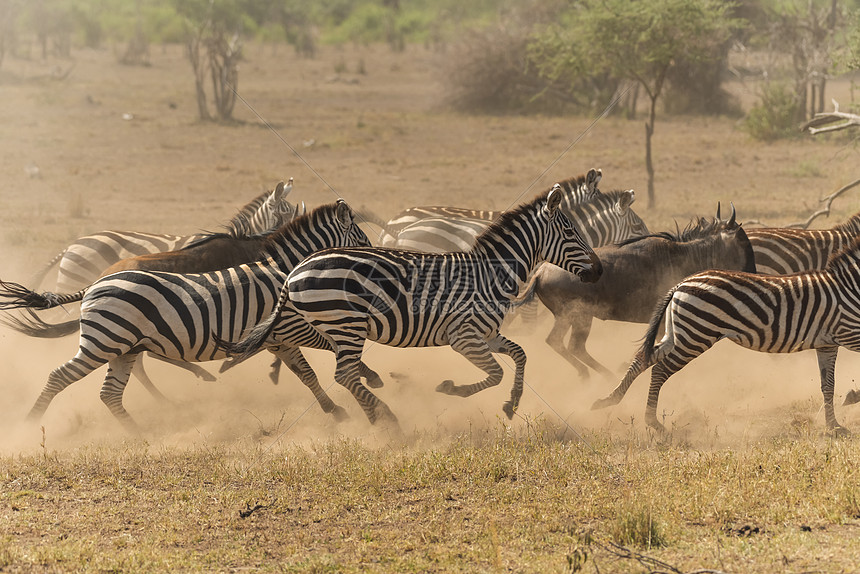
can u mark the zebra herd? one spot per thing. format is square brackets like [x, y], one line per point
[282, 278]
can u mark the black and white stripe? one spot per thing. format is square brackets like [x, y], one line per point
[184, 316]
[83, 261]
[774, 314]
[780, 250]
[602, 219]
[410, 299]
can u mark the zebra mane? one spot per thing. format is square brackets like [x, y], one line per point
[500, 227]
[850, 226]
[698, 228]
[849, 256]
[238, 225]
[575, 190]
[298, 226]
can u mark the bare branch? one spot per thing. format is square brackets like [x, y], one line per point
[827, 201]
[825, 118]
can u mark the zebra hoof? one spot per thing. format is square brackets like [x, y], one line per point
[446, 387]
[375, 382]
[851, 398]
[603, 403]
[509, 409]
[340, 415]
[839, 431]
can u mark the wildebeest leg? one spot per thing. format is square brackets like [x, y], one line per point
[275, 373]
[580, 329]
[142, 376]
[827, 368]
[194, 368]
[555, 339]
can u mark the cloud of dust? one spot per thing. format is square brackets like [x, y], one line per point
[729, 396]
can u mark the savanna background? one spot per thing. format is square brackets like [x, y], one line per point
[391, 105]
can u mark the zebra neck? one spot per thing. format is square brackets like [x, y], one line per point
[286, 255]
[508, 262]
[852, 226]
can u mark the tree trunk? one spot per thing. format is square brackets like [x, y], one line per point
[199, 75]
[649, 164]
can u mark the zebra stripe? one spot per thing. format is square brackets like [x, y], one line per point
[603, 219]
[780, 251]
[409, 299]
[184, 316]
[83, 261]
[773, 314]
[577, 190]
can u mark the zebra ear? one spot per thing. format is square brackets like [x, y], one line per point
[553, 200]
[288, 188]
[592, 178]
[626, 200]
[279, 191]
[344, 213]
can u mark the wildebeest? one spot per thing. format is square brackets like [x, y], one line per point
[636, 274]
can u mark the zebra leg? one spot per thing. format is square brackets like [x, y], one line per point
[667, 365]
[827, 368]
[372, 378]
[60, 378]
[555, 339]
[469, 343]
[296, 362]
[119, 370]
[347, 374]
[503, 345]
[637, 367]
[580, 329]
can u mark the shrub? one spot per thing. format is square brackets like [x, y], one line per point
[773, 117]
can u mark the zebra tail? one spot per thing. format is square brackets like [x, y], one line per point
[528, 296]
[366, 216]
[19, 297]
[647, 349]
[36, 327]
[249, 346]
[43, 272]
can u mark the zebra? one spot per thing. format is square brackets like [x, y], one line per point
[412, 299]
[604, 219]
[769, 313]
[781, 250]
[83, 261]
[182, 316]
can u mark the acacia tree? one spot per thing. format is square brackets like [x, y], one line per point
[640, 40]
[214, 44]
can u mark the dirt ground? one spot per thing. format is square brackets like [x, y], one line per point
[120, 148]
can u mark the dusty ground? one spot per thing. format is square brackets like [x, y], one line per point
[383, 140]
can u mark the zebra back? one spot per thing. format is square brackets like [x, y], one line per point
[84, 260]
[781, 250]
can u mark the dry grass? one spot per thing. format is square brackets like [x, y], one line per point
[746, 482]
[494, 499]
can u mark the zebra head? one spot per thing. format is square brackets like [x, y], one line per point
[564, 246]
[629, 219]
[351, 234]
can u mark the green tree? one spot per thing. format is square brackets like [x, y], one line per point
[640, 40]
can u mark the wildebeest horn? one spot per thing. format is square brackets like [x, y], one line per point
[718, 211]
[732, 218]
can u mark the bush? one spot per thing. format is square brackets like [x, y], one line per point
[773, 117]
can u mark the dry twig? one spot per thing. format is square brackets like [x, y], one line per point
[827, 201]
[825, 118]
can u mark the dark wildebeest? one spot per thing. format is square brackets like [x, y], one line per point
[636, 274]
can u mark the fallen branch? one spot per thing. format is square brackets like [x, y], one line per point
[827, 201]
[825, 118]
[650, 562]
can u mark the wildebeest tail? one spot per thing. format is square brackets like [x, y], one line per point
[33, 326]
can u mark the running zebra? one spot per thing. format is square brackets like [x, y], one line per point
[83, 261]
[602, 218]
[410, 299]
[182, 316]
[774, 314]
[781, 250]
